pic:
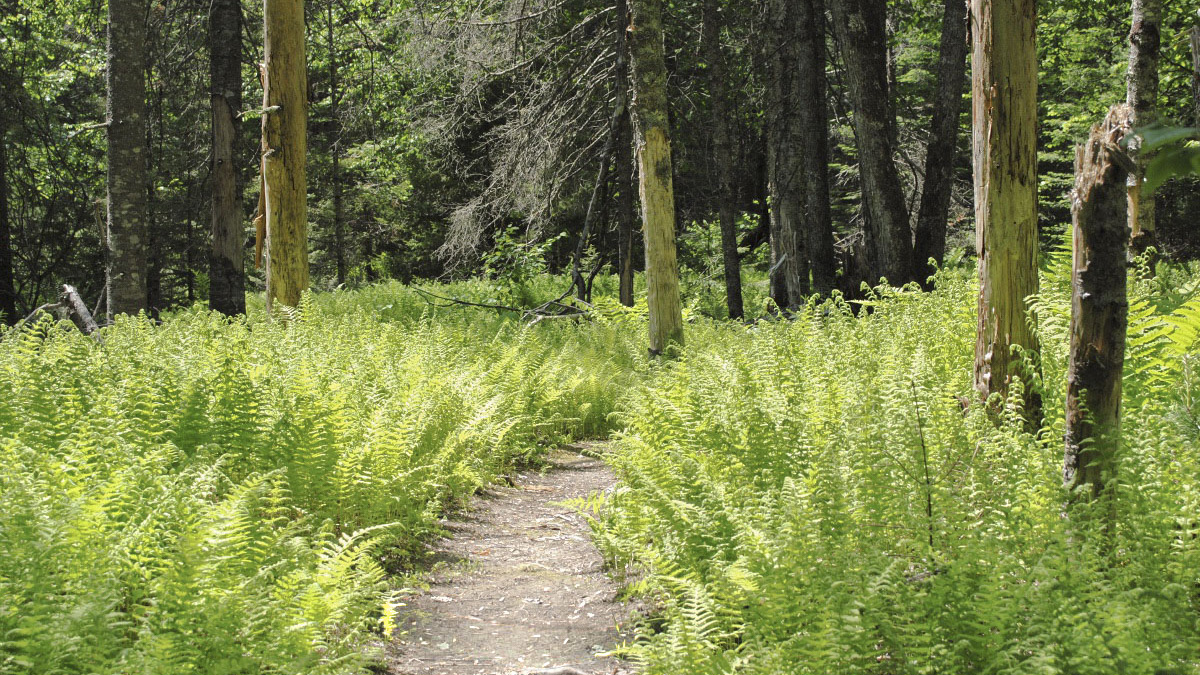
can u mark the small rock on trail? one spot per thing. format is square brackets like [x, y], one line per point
[523, 592]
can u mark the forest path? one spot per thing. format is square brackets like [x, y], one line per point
[520, 589]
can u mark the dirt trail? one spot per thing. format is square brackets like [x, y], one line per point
[522, 588]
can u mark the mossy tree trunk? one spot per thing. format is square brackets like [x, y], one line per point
[654, 176]
[1004, 123]
[1142, 96]
[125, 277]
[284, 143]
[722, 155]
[227, 286]
[1099, 306]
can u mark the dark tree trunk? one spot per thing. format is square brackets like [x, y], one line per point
[722, 149]
[1142, 97]
[943, 140]
[335, 151]
[813, 117]
[860, 26]
[1099, 306]
[227, 284]
[127, 178]
[8, 290]
[786, 153]
[626, 213]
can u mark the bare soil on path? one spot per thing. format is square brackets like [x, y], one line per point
[519, 588]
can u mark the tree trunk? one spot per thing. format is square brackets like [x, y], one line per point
[1099, 307]
[812, 115]
[1004, 100]
[722, 149]
[127, 226]
[943, 140]
[786, 152]
[335, 151]
[1195, 40]
[283, 160]
[8, 289]
[227, 285]
[625, 211]
[860, 26]
[1142, 97]
[654, 177]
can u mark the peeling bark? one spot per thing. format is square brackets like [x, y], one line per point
[1004, 114]
[1099, 305]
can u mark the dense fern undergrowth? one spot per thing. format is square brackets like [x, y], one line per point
[817, 497]
[224, 497]
[808, 496]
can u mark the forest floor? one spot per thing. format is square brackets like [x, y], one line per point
[518, 589]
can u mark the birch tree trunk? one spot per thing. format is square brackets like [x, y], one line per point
[860, 26]
[722, 150]
[930, 240]
[1004, 116]
[1099, 306]
[227, 285]
[1142, 97]
[284, 143]
[125, 276]
[654, 176]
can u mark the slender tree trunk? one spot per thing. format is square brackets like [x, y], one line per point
[284, 147]
[1142, 96]
[1099, 306]
[943, 140]
[785, 139]
[127, 218]
[1195, 40]
[722, 148]
[860, 26]
[813, 117]
[8, 290]
[1004, 100]
[625, 211]
[226, 261]
[625, 168]
[335, 151]
[654, 177]
[776, 275]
